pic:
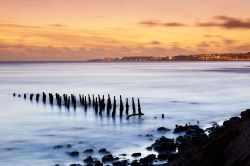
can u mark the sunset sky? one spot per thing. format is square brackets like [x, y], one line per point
[88, 29]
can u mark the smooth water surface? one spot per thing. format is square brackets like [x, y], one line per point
[183, 91]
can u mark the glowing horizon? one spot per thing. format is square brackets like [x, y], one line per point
[81, 29]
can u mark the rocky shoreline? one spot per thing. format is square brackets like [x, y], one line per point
[227, 145]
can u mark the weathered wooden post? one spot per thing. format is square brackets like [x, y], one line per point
[89, 99]
[51, 99]
[14, 94]
[68, 102]
[44, 97]
[133, 106]
[96, 105]
[127, 106]
[93, 101]
[80, 99]
[109, 104]
[85, 103]
[99, 100]
[103, 102]
[139, 108]
[114, 108]
[31, 96]
[73, 99]
[121, 106]
[37, 97]
[24, 96]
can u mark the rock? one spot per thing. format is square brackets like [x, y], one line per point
[136, 155]
[164, 144]
[149, 135]
[148, 159]
[68, 146]
[231, 121]
[58, 147]
[179, 129]
[229, 146]
[98, 163]
[88, 151]
[74, 153]
[163, 129]
[135, 163]
[162, 156]
[120, 163]
[172, 156]
[245, 114]
[149, 148]
[179, 139]
[123, 154]
[103, 150]
[107, 158]
[75, 165]
[89, 159]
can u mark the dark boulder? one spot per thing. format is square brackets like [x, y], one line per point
[231, 121]
[164, 144]
[149, 148]
[136, 155]
[120, 163]
[58, 147]
[88, 151]
[98, 163]
[228, 146]
[135, 163]
[74, 153]
[148, 159]
[89, 159]
[163, 129]
[103, 150]
[162, 156]
[107, 158]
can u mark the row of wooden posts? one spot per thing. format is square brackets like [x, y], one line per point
[96, 102]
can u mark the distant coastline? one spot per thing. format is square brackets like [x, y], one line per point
[196, 57]
[179, 58]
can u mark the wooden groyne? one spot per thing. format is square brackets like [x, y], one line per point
[98, 103]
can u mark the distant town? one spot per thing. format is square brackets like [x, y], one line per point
[197, 57]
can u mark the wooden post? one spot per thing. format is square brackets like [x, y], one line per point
[44, 97]
[37, 97]
[96, 105]
[139, 107]
[133, 106]
[51, 100]
[114, 108]
[31, 96]
[89, 99]
[121, 106]
[93, 101]
[127, 106]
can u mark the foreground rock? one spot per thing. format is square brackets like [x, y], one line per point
[148, 160]
[228, 145]
[164, 144]
[107, 158]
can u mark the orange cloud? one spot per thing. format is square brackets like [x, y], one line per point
[154, 23]
[227, 22]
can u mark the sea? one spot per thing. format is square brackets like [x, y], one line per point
[200, 93]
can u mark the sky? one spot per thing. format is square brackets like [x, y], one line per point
[71, 30]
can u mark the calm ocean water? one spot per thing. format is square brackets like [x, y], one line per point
[184, 91]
